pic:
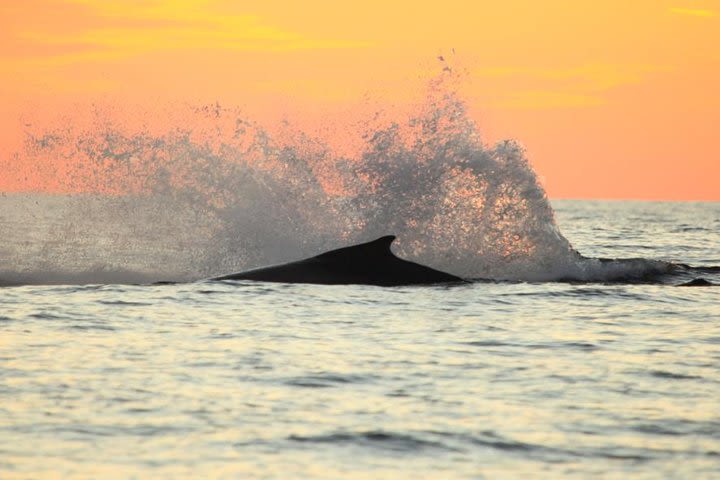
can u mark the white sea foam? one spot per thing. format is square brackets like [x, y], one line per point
[191, 203]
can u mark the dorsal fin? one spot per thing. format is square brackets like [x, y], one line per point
[374, 249]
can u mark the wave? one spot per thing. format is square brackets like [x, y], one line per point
[628, 271]
[411, 442]
[387, 441]
[221, 193]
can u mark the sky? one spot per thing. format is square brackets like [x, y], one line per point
[615, 99]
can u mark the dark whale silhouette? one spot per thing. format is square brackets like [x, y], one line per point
[371, 263]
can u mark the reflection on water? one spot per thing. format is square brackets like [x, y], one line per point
[490, 380]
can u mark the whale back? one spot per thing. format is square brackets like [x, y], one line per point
[375, 250]
[371, 263]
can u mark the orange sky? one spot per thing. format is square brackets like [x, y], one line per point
[613, 99]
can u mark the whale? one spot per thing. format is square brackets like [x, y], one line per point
[371, 263]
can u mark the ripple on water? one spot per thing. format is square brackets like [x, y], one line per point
[657, 429]
[392, 441]
[673, 376]
[91, 326]
[138, 430]
[124, 303]
[46, 316]
[491, 439]
[584, 346]
[326, 380]
[487, 343]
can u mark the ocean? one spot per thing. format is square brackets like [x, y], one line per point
[598, 369]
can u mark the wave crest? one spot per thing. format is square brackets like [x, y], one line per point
[220, 193]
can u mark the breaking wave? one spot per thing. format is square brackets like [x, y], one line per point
[220, 193]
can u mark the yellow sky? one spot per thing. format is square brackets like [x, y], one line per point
[613, 99]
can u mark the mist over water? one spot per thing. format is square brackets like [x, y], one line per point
[220, 193]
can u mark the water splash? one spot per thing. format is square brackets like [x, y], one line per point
[221, 193]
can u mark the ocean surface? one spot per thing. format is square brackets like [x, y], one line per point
[603, 377]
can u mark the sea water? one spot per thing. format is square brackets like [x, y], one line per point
[485, 380]
[572, 352]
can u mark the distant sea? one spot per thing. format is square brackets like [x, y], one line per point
[602, 378]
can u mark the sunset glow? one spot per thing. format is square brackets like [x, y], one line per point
[611, 99]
